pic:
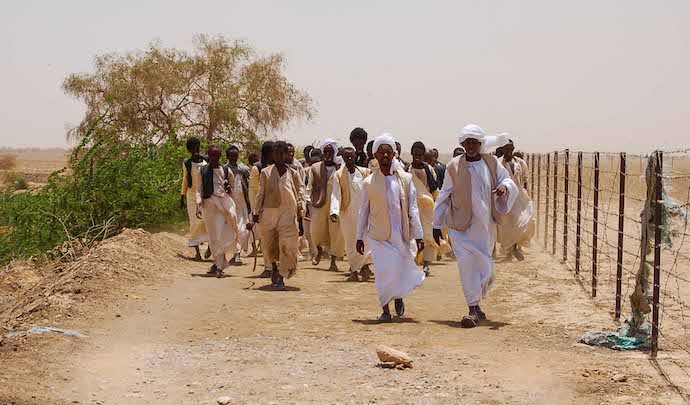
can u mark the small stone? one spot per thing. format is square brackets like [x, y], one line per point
[118, 316]
[223, 400]
[389, 355]
[620, 378]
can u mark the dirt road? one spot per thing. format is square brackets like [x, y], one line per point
[189, 339]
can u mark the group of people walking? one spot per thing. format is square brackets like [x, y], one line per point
[364, 202]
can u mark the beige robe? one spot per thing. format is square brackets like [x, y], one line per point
[278, 227]
[425, 204]
[324, 232]
[348, 217]
[197, 229]
[518, 227]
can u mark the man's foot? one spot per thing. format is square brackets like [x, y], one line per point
[317, 257]
[213, 270]
[517, 252]
[385, 317]
[207, 254]
[399, 307]
[469, 321]
[333, 267]
[480, 314]
[366, 273]
[439, 257]
[353, 277]
[220, 273]
[266, 273]
[236, 261]
[197, 256]
[425, 269]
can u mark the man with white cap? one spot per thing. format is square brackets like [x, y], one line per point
[476, 192]
[389, 217]
[518, 229]
[345, 199]
[325, 233]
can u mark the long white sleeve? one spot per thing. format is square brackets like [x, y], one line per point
[363, 222]
[335, 197]
[416, 230]
[442, 203]
[505, 203]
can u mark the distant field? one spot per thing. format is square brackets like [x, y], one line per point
[35, 165]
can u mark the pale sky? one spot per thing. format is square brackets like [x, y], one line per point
[606, 75]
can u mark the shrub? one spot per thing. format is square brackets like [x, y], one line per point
[7, 162]
[133, 187]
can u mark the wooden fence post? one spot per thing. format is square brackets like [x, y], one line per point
[566, 190]
[546, 201]
[578, 229]
[621, 234]
[595, 226]
[658, 197]
[538, 192]
[555, 202]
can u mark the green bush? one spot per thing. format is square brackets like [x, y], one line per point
[135, 187]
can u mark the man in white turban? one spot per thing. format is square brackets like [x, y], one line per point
[518, 227]
[325, 233]
[476, 193]
[389, 217]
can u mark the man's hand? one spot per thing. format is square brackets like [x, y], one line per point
[438, 236]
[198, 211]
[420, 245]
[360, 247]
[249, 226]
[334, 218]
[183, 202]
[255, 218]
[500, 191]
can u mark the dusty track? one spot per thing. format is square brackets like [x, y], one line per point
[190, 339]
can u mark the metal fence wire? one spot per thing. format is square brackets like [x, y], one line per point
[590, 210]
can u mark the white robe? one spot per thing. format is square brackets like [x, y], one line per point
[242, 213]
[221, 221]
[349, 219]
[395, 269]
[473, 247]
[518, 227]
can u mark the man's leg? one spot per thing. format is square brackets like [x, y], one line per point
[386, 315]
[197, 256]
[333, 267]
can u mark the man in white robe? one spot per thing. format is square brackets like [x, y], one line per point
[191, 178]
[240, 194]
[215, 204]
[518, 228]
[476, 192]
[389, 217]
[345, 198]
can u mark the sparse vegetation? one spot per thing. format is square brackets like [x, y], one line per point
[140, 107]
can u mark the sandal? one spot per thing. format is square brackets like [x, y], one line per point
[469, 321]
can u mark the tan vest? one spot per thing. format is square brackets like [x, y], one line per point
[460, 212]
[379, 221]
[269, 178]
[318, 176]
[343, 177]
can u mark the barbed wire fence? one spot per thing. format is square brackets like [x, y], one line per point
[616, 220]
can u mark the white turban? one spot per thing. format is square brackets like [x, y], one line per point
[488, 142]
[332, 143]
[384, 139]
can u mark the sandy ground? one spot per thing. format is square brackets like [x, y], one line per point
[183, 338]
